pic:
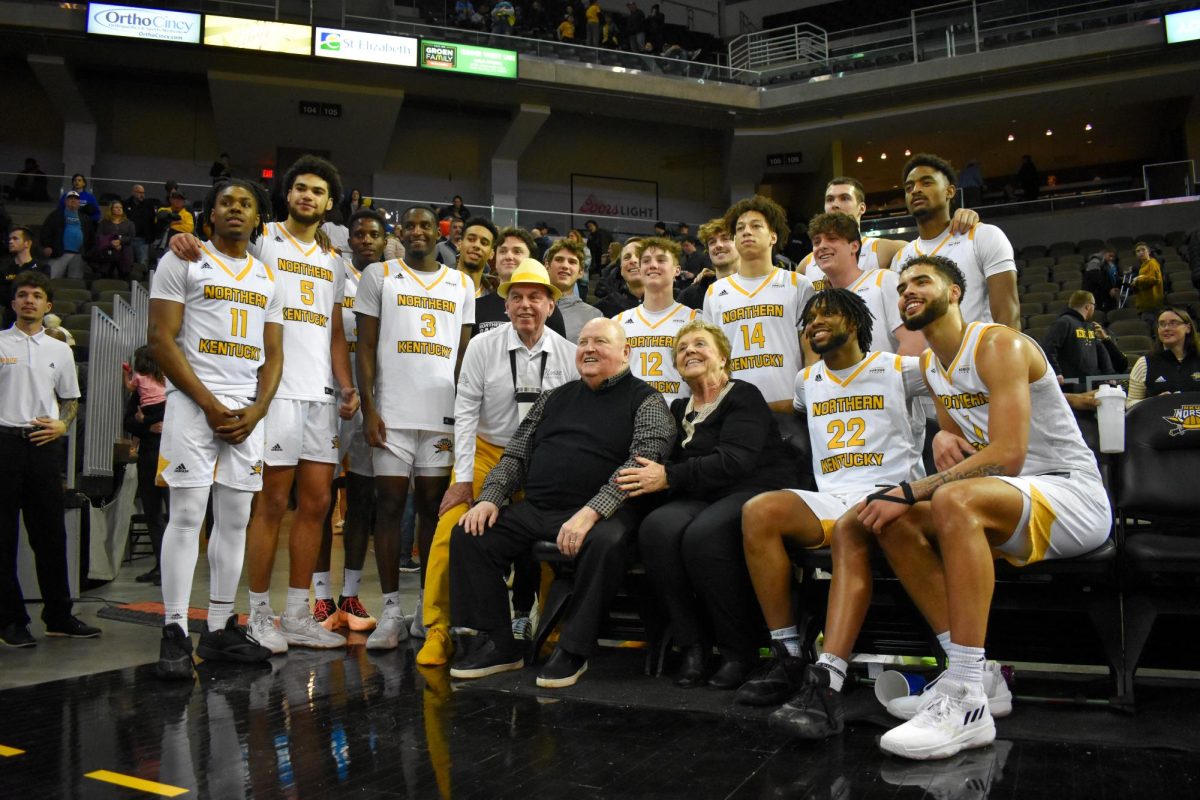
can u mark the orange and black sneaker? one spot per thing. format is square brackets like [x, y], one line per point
[326, 613]
[354, 614]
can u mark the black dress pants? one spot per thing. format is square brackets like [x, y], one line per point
[31, 483]
[692, 551]
[479, 598]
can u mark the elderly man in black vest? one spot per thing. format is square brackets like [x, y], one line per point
[566, 456]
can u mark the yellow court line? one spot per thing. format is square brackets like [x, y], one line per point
[163, 789]
[10, 751]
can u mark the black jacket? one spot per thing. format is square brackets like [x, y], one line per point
[1075, 352]
[52, 231]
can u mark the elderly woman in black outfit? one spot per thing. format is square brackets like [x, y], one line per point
[729, 449]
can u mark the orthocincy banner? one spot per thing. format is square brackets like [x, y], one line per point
[155, 24]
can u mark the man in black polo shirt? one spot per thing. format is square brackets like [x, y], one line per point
[513, 245]
[565, 455]
[20, 259]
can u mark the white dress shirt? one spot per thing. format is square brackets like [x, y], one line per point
[486, 404]
[34, 372]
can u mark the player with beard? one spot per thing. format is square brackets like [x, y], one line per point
[367, 238]
[845, 195]
[983, 253]
[414, 320]
[855, 402]
[1016, 481]
[723, 255]
[302, 425]
[216, 330]
[513, 245]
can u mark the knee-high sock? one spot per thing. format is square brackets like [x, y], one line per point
[180, 550]
[226, 551]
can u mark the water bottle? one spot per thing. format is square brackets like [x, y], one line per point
[1111, 416]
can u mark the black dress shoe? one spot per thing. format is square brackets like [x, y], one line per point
[561, 670]
[691, 669]
[732, 673]
[149, 576]
[72, 628]
[14, 635]
[486, 658]
[775, 682]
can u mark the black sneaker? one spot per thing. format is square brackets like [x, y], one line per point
[231, 643]
[775, 682]
[485, 658]
[561, 670]
[174, 654]
[14, 635]
[149, 576]
[814, 713]
[409, 565]
[72, 628]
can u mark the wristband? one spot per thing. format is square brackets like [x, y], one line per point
[908, 499]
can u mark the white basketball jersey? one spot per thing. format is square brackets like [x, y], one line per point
[226, 303]
[651, 339]
[868, 259]
[858, 422]
[421, 317]
[761, 318]
[311, 282]
[877, 288]
[980, 253]
[351, 277]
[1055, 443]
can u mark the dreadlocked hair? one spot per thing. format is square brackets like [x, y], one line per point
[849, 306]
[262, 202]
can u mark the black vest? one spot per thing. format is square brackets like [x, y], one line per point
[1165, 374]
[583, 437]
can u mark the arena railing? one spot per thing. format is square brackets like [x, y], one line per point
[112, 342]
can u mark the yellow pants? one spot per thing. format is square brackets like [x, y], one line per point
[437, 570]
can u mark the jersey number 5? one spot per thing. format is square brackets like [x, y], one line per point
[753, 338]
[306, 292]
[846, 434]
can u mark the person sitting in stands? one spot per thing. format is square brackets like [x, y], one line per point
[1174, 366]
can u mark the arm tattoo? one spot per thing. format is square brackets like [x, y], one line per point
[924, 488]
[67, 409]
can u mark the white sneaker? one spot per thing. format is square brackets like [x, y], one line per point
[999, 697]
[957, 718]
[262, 628]
[304, 631]
[417, 628]
[967, 776]
[389, 632]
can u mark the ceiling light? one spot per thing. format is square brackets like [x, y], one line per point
[1087, 127]
[908, 152]
[859, 159]
[1049, 132]
[1011, 137]
[883, 156]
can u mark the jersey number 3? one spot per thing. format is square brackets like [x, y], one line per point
[429, 328]
[846, 434]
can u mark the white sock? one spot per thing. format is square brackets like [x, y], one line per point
[321, 586]
[944, 640]
[180, 549]
[219, 613]
[297, 602]
[260, 602]
[391, 604]
[789, 637]
[966, 664]
[837, 669]
[352, 578]
[226, 551]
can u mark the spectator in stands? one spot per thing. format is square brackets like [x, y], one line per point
[140, 210]
[537, 21]
[635, 32]
[221, 169]
[87, 200]
[656, 27]
[447, 249]
[727, 450]
[464, 11]
[113, 250]
[1077, 347]
[695, 259]
[610, 32]
[970, 180]
[1174, 366]
[20, 259]
[174, 218]
[624, 288]
[592, 14]
[39, 397]
[504, 17]
[660, 229]
[30, 184]
[351, 203]
[1027, 177]
[598, 240]
[66, 234]
[144, 413]
[576, 235]
[723, 257]
[566, 456]
[1193, 256]
[456, 209]
[566, 29]
[1148, 285]
[1100, 277]
[564, 262]
[541, 239]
